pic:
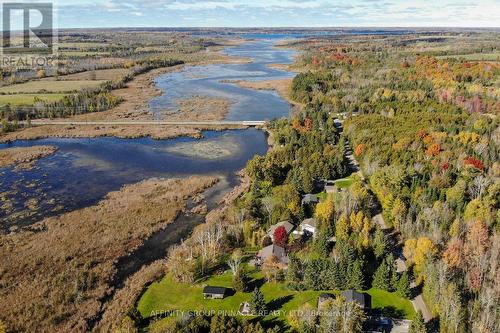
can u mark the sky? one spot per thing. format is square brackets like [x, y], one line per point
[276, 13]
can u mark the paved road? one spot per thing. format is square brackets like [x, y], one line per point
[135, 123]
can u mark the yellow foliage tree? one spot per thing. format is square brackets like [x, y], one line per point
[325, 210]
[342, 228]
[418, 250]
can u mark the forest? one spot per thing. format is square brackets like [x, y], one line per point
[424, 129]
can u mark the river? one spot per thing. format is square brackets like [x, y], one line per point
[83, 171]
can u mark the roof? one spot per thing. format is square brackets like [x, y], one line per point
[325, 296]
[273, 249]
[312, 222]
[215, 290]
[288, 227]
[354, 296]
[310, 198]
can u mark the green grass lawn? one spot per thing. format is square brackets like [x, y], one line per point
[391, 304]
[344, 182]
[28, 99]
[33, 87]
[168, 295]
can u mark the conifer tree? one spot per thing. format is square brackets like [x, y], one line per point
[258, 304]
[403, 286]
[417, 324]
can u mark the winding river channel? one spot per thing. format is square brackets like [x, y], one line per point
[83, 171]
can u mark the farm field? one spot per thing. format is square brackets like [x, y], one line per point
[47, 86]
[29, 99]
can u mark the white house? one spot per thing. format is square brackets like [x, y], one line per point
[308, 226]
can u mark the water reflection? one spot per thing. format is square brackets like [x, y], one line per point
[83, 171]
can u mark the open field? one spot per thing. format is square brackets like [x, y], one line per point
[167, 294]
[43, 86]
[63, 271]
[473, 57]
[102, 74]
[82, 45]
[84, 54]
[29, 99]
[24, 157]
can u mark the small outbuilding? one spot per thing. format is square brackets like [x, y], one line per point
[211, 292]
[361, 299]
[244, 309]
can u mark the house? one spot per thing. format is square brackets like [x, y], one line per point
[360, 298]
[323, 298]
[310, 199]
[308, 227]
[272, 250]
[211, 292]
[287, 225]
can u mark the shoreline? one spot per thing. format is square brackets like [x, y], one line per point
[24, 157]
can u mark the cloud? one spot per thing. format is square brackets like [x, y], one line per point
[278, 13]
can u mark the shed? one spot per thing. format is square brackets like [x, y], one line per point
[211, 292]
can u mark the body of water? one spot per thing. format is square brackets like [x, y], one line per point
[212, 80]
[83, 171]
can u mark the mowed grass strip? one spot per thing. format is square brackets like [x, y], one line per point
[168, 295]
[29, 99]
[46, 86]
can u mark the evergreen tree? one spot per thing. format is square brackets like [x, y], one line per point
[240, 280]
[295, 272]
[321, 245]
[417, 324]
[403, 286]
[356, 277]
[382, 277]
[258, 304]
[379, 244]
[393, 273]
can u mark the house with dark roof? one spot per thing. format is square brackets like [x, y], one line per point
[362, 299]
[272, 250]
[310, 199]
[211, 292]
[285, 224]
